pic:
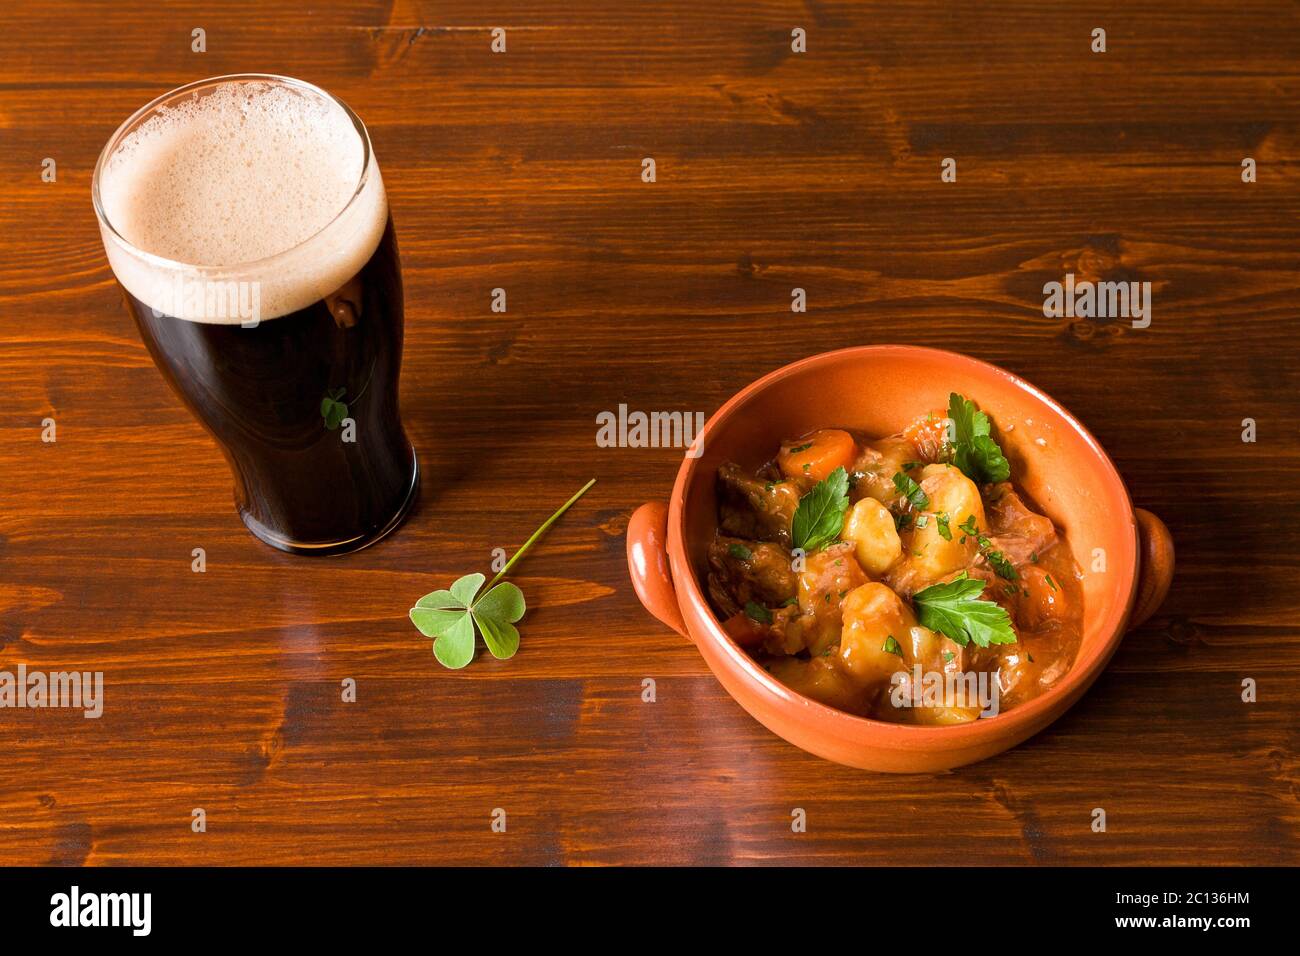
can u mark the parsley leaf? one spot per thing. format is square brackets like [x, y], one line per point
[941, 519]
[974, 450]
[454, 617]
[756, 612]
[891, 646]
[739, 551]
[954, 609]
[910, 490]
[819, 519]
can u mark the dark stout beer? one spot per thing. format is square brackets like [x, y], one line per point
[248, 225]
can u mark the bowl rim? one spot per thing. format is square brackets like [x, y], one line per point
[1033, 714]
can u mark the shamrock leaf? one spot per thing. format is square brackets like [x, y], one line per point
[495, 614]
[455, 617]
[333, 409]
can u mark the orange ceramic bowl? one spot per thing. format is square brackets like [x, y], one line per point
[879, 389]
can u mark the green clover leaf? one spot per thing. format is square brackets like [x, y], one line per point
[495, 614]
[455, 617]
[333, 409]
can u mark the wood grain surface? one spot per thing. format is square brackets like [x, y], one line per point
[775, 170]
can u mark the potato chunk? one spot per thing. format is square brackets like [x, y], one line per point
[872, 614]
[870, 528]
[823, 680]
[953, 499]
[828, 575]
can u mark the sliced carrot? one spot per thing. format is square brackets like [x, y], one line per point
[815, 456]
[744, 630]
[1041, 600]
[928, 434]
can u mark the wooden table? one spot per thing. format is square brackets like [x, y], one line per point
[775, 170]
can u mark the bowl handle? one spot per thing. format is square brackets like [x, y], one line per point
[1155, 566]
[647, 562]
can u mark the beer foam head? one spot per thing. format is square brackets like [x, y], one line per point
[248, 180]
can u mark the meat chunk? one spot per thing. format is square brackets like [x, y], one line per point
[741, 571]
[873, 472]
[753, 508]
[1014, 530]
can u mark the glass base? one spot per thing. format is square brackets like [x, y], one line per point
[347, 546]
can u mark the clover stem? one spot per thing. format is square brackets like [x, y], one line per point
[538, 533]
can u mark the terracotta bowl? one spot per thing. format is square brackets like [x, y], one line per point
[879, 389]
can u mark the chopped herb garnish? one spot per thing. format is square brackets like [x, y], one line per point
[820, 516]
[909, 465]
[1050, 582]
[1033, 558]
[948, 656]
[954, 609]
[1000, 563]
[903, 521]
[891, 646]
[996, 559]
[756, 612]
[791, 600]
[922, 521]
[910, 490]
[796, 450]
[739, 551]
[941, 521]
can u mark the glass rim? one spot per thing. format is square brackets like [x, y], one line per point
[162, 99]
